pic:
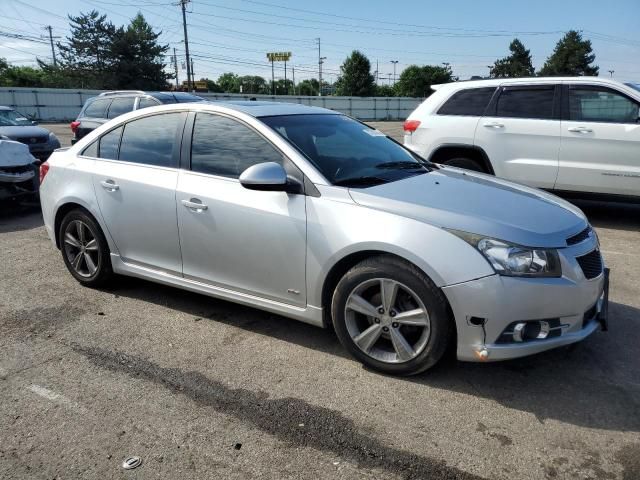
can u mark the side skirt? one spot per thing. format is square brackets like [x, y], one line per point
[309, 314]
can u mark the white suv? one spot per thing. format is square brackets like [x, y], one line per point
[563, 134]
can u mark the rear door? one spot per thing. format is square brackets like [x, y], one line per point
[520, 133]
[135, 178]
[600, 149]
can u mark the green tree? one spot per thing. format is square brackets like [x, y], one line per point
[518, 64]
[86, 57]
[211, 85]
[416, 81]
[572, 56]
[385, 91]
[356, 78]
[284, 87]
[137, 57]
[229, 82]
[253, 84]
[308, 87]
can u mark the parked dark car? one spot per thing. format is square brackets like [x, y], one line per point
[15, 126]
[99, 110]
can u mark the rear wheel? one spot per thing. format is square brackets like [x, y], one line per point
[84, 249]
[466, 163]
[391, 316]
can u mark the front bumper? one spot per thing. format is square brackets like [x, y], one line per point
[16, 182]
[485, 308]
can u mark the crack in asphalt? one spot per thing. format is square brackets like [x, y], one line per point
[322, 428]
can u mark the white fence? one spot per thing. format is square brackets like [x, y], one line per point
[55, 104]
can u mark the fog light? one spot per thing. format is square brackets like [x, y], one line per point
[518, 331]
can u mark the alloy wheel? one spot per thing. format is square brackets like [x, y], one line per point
[81, 248]
[387, 320]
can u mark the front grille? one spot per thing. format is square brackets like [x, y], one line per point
[19, 169]
[591, 264]
[32, 140]
[579, 237]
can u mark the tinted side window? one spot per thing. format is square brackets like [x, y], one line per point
[468, 102]
[120, 106]
[601, 105]
[530, 102]
[91, 150]
[109, 144]
[145, 102]
[225, 147]
[151, 140]
[97, 108]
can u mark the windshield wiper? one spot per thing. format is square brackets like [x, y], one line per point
[403, 165]
[364, 181]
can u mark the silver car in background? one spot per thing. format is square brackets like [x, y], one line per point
[310, 214]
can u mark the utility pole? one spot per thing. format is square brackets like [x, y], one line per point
[53, 51]
[395, 62]
[293, 74]
[193, 78]
[389, 77]
[320, 61]
[377, 72]
[285, 78]
[273, 80]
[183, 4]
[175, 67]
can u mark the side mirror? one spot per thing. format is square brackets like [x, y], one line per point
[269, 176]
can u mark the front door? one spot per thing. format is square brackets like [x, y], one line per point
[135, 179]
[521, 134]
[600, 149]
[247, 241]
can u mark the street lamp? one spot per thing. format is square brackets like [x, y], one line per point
[395, 62]
[611, 72]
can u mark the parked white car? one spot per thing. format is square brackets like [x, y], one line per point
[577, 134]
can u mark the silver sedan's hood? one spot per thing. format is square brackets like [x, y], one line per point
[21, 131]
[477, 203]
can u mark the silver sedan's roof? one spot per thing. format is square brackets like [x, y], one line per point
[267, 109]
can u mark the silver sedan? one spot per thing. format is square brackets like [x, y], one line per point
[313, 215]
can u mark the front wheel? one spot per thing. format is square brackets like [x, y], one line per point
[84, 249]
[391, 316]
[467, 164]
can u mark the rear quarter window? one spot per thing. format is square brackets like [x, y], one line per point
[97, 108]
[470, 102]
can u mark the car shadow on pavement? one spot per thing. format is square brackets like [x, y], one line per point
[15, 217]
[594, 384]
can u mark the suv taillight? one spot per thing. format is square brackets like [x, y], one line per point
[411, 125]
[74, 126]
[44, 169]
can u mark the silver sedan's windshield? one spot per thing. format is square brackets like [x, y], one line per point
[347, 152]
[11, 118]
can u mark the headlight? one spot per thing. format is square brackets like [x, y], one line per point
[514, 260]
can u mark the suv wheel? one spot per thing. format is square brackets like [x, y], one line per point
[391, 316]
[466, 163]
[84, 249]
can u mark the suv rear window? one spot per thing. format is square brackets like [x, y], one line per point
[470, 102]
[97, 108]
[526, 102]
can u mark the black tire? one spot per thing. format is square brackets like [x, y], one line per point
[466, 163]
[100, 258]
[407, 275]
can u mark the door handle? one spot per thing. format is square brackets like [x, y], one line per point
[195, 205]
[494, 125]
[110, 185]
[580, 130]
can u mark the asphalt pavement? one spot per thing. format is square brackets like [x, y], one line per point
[203, 388]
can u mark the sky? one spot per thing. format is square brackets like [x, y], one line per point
[235, 35]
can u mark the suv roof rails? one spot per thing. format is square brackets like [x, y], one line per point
[118, 92]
